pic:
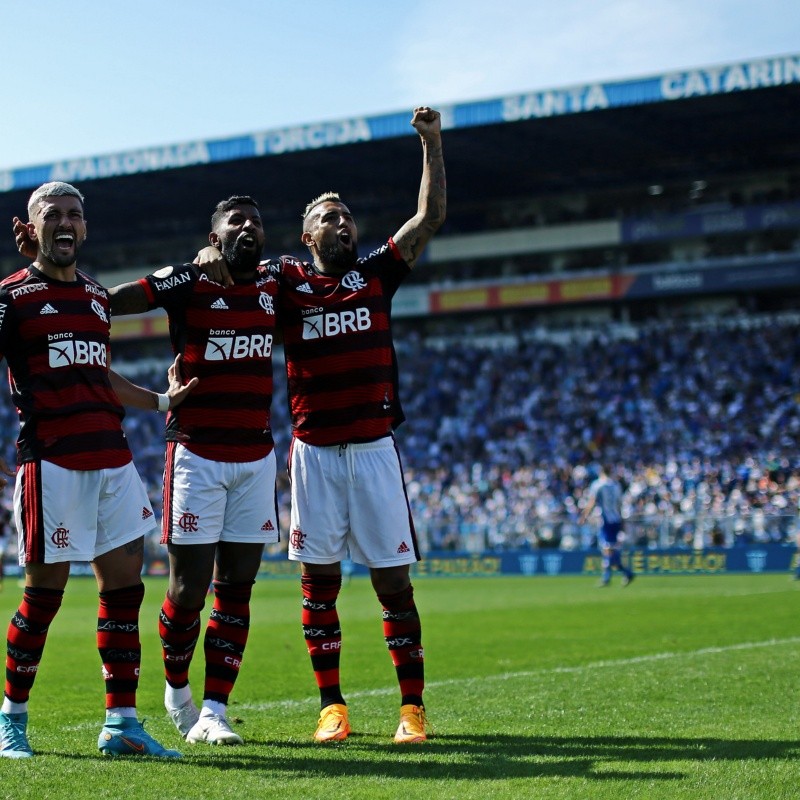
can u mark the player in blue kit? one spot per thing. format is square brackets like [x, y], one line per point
[605, 493]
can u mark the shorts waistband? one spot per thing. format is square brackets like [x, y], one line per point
[377, 444]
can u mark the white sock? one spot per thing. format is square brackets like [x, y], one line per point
[13, 708]
[175, 698]
[129, 712]
[213, 707]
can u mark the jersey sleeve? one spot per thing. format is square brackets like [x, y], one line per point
[171, 286]
[387, 263]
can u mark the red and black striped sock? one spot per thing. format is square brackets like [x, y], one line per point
[27, 633]
[403, 633]
[323, 633]
[179, 629]
[118, 643]
[226, 637]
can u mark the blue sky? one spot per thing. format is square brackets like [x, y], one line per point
[99, 77]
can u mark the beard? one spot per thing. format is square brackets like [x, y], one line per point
[56, 257]
[337, 257]
[240, 261]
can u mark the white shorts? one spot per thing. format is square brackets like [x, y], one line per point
[77, 515]
[218, 501]
[350, 499]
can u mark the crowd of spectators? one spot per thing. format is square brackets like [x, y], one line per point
[699, 421]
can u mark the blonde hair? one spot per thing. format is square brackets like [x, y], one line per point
[333, 197]
[52, 189]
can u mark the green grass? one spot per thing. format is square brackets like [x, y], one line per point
[676, 687]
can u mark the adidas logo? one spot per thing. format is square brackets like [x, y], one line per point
[146, 513]
[48, 309]
[268, 526]
[404, 548]
[219, 304]
[305, 287]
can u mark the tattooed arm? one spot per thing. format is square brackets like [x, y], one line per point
[432, 204]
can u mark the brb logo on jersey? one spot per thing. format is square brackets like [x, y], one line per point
[64, 351]
[226, 345]
[319, 326]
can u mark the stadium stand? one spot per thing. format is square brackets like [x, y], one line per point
[618, 280]
[700, 417]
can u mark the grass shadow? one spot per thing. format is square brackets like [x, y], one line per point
[497, 757]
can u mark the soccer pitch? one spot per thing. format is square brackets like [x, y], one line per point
[675, 687]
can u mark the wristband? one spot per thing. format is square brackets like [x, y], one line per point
[163, 402]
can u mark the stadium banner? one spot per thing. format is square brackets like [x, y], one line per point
[753, 558]
[141, 326]
[601, 286]
[678, 85]
[717, 280]
[769, 557]
[707, 223]
[730, 276]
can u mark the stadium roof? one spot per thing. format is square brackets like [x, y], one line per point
[724, 120]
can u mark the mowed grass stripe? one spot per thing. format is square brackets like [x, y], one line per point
[508, 676]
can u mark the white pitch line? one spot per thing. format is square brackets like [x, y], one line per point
[505, 676]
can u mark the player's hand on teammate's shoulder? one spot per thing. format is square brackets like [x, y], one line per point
[213, 265]
[24, 243]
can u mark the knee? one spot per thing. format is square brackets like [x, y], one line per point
[390, 581]
[187, 595]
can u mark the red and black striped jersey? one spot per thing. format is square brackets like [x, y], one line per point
[55, 338]
[225, 336]
[340, 359]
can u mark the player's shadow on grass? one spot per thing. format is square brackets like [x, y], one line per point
[500, 757]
